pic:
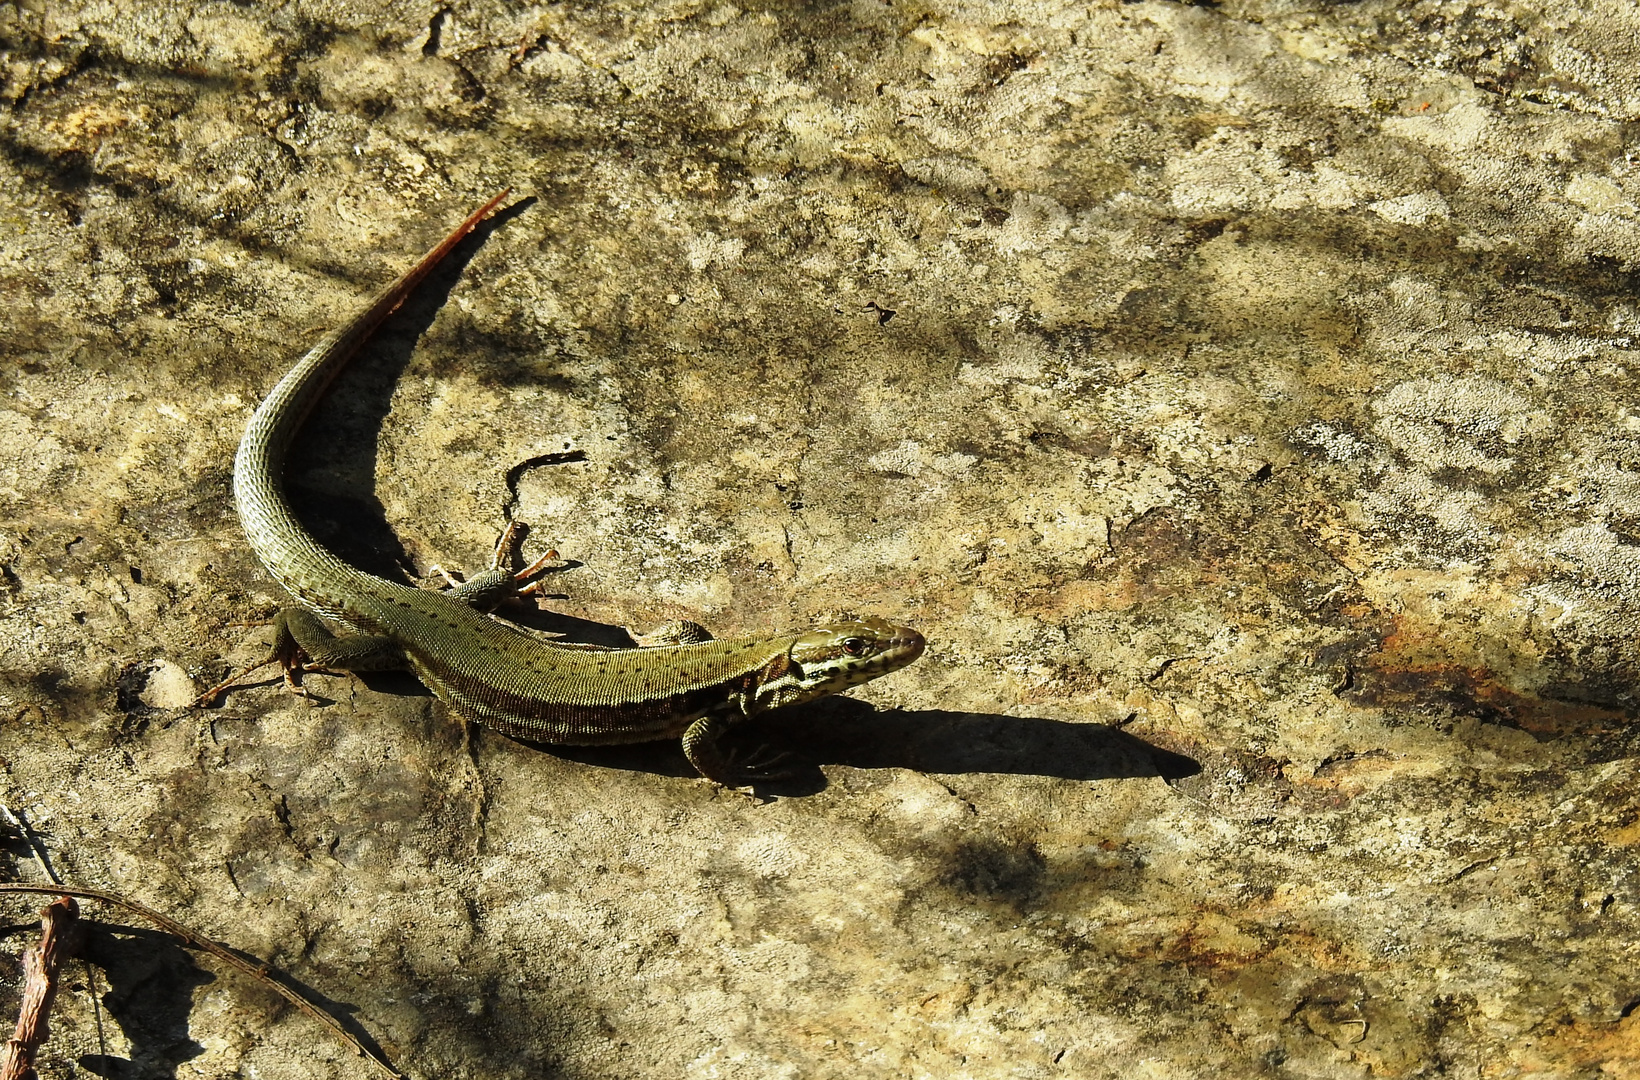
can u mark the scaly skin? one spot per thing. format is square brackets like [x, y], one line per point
[490, 671]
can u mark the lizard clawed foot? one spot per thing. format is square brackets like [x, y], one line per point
[502, 559]
[534, 575]
[290, 658]
[450, 580]
[746, 792]
[761, 764]
[498, 581]
[295, 673]
[507, 553]
[209, 697]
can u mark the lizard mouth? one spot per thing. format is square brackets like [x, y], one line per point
[905, 646]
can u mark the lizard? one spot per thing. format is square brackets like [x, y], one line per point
[493, 672]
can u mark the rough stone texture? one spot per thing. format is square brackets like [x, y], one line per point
[1242, 397]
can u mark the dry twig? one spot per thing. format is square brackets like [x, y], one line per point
[58, 936]
[20, 823]
[259, 971]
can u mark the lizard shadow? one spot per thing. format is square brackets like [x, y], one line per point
[151, 982]
[843, 731]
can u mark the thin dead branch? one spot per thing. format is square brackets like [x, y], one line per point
[258, 971]
[20, 823]
[58, 938]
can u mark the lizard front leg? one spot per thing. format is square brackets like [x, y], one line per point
[700, 744]
[681, 632]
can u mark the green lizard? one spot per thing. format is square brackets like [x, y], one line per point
[490, 671]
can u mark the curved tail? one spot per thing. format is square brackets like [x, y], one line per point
[290, 553]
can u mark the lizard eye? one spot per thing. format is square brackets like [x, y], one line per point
[855, 646]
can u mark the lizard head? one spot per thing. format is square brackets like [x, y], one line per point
[835, 657]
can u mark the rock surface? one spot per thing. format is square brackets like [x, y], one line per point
[1244, 398]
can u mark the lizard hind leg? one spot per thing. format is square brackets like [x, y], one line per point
[496, 582]
[300, 633]
[302, 643]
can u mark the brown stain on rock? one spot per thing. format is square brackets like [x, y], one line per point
[1415, 669]
[1610, 1051]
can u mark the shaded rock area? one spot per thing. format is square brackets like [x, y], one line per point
[1242, 397]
